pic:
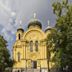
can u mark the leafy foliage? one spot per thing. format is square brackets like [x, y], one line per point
[63, 38]
[5, 60]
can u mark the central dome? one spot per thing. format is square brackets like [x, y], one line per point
[35, 23]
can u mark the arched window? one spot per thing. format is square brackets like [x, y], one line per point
[18, 56]
[36, 45]
[31, 46]
[19, 36]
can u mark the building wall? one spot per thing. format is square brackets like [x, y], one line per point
[23, 47]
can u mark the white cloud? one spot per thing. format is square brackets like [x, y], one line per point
[24, 10]
[8, 34]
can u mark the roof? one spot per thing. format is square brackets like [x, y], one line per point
[35, 22]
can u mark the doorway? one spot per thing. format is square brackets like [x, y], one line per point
[34, 64]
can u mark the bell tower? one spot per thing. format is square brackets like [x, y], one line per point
[19, 32]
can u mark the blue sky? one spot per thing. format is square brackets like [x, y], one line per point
[17, 10]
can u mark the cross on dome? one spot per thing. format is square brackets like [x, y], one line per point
[34, 15]
[48, 23]
[20, 22]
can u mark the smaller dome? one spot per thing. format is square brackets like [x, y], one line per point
[49, 27]
[20, 29]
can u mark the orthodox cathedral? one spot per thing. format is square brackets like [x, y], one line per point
[30, 51]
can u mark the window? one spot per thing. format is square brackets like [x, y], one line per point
[18, 56]
[34, 64]
[19, 36]
[36, 45]
[31, 46]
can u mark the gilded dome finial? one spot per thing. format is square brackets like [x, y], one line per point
[34, 15]
[48, 23]
[20, 22]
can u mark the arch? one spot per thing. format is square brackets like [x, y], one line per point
[40, 31]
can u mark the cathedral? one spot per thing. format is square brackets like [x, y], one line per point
[30, 51]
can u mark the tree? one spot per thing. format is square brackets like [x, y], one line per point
[50, 46]
[5, 60]
[63, 42]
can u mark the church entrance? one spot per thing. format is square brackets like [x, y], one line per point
[34, 64]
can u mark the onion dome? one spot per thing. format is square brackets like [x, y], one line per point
[35, 22]
[20, 27]
[48, 27]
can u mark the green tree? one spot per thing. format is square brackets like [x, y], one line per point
[63, 42]
[50, 45]
[5, 60]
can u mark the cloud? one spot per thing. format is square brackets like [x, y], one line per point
[12, 11]
[6, 35]
[24, 10]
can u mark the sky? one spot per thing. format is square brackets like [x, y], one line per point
[12, 11]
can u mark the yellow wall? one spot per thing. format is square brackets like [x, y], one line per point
[23, 47]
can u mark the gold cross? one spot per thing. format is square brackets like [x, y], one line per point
[48, 23]
[20, 23]
[34, 15]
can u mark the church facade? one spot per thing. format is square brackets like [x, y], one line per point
[30, 51]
